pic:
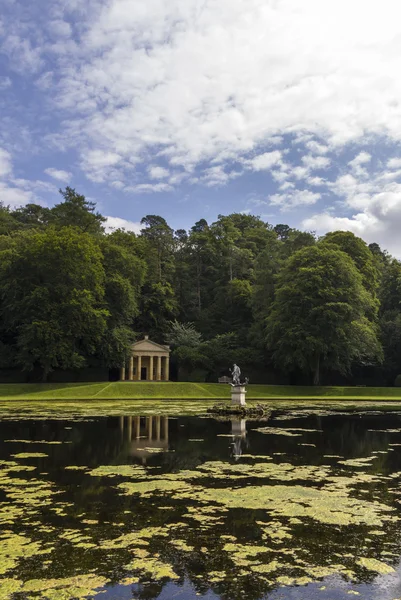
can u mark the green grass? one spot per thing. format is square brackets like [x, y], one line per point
[170, 390]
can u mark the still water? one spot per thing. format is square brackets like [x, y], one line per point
[304, 505]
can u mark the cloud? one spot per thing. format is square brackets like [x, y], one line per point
[360, 159]
[394, 163]
[5, 82]
[294, 198]
[266, 161]
[114, 223]
[5, 163]
[356, 164]
[148, 188]
[59, 174]
[379, 222]
[316, 181]
[372, 205]
[24, 57]
[315, 162]
[317, 148]
[158, 172]
[14, 196]
[216, 176]
[186, 81]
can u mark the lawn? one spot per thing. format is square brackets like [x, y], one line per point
[143, 390]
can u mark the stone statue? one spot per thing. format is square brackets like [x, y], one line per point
[236, 374]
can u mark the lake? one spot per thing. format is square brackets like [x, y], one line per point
[127, 503]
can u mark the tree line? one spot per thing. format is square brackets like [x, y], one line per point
[287, 306]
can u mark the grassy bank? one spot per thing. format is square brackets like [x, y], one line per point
[203, 391]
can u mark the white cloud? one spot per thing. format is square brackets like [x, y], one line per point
[216, 176]
[113, 223]
[100, 165]
[59, 174]
[315, 162]
[389, 175]
[360, 159]
[280, 176]
[317, 148]
[266, 161]
[287, 185]
[5, 163]
[373, 206]
[188, 80]
[14, 196]
[22, 53]
[356, 164]
[60, 28]
[316, 181]
[300, 172]
[394, 163]
[5, 83]
[148, 187]
[158, 172]
[294, 198]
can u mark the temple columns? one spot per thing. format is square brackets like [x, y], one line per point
[157, 368]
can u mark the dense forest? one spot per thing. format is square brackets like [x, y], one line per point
[287, 306]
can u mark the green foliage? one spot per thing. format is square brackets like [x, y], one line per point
[229, 291]
[397, 382]
[183, 334]
[358, 250]
[318, 317]
[52, 292]
[76, 211]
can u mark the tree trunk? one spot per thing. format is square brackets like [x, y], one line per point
[316, 376]
[45, 373]
[198, 284]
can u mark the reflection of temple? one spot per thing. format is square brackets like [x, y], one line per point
[143, 433]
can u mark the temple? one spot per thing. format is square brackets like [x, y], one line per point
[149, 362]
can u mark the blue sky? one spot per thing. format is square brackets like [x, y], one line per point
[189, 109]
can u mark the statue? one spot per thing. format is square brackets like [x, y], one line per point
[236, 374]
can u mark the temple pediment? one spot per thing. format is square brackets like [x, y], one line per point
[147, 345]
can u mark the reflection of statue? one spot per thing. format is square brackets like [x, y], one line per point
[236, 373]
[238, 430]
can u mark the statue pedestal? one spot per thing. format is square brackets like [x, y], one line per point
[238, 395]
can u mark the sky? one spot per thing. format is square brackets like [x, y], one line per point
[189, 109]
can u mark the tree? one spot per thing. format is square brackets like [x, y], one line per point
[160, 238]
[51, 298]
[32, 216]
[283, 231]
[362, 256]
[125, 272]
[183, 334]
[77, 212]
[186, 344]
[390, 317]
[7, 220]
[318, 318]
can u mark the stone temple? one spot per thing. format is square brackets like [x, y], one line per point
[149, 362]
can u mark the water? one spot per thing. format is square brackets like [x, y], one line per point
[305, 505]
